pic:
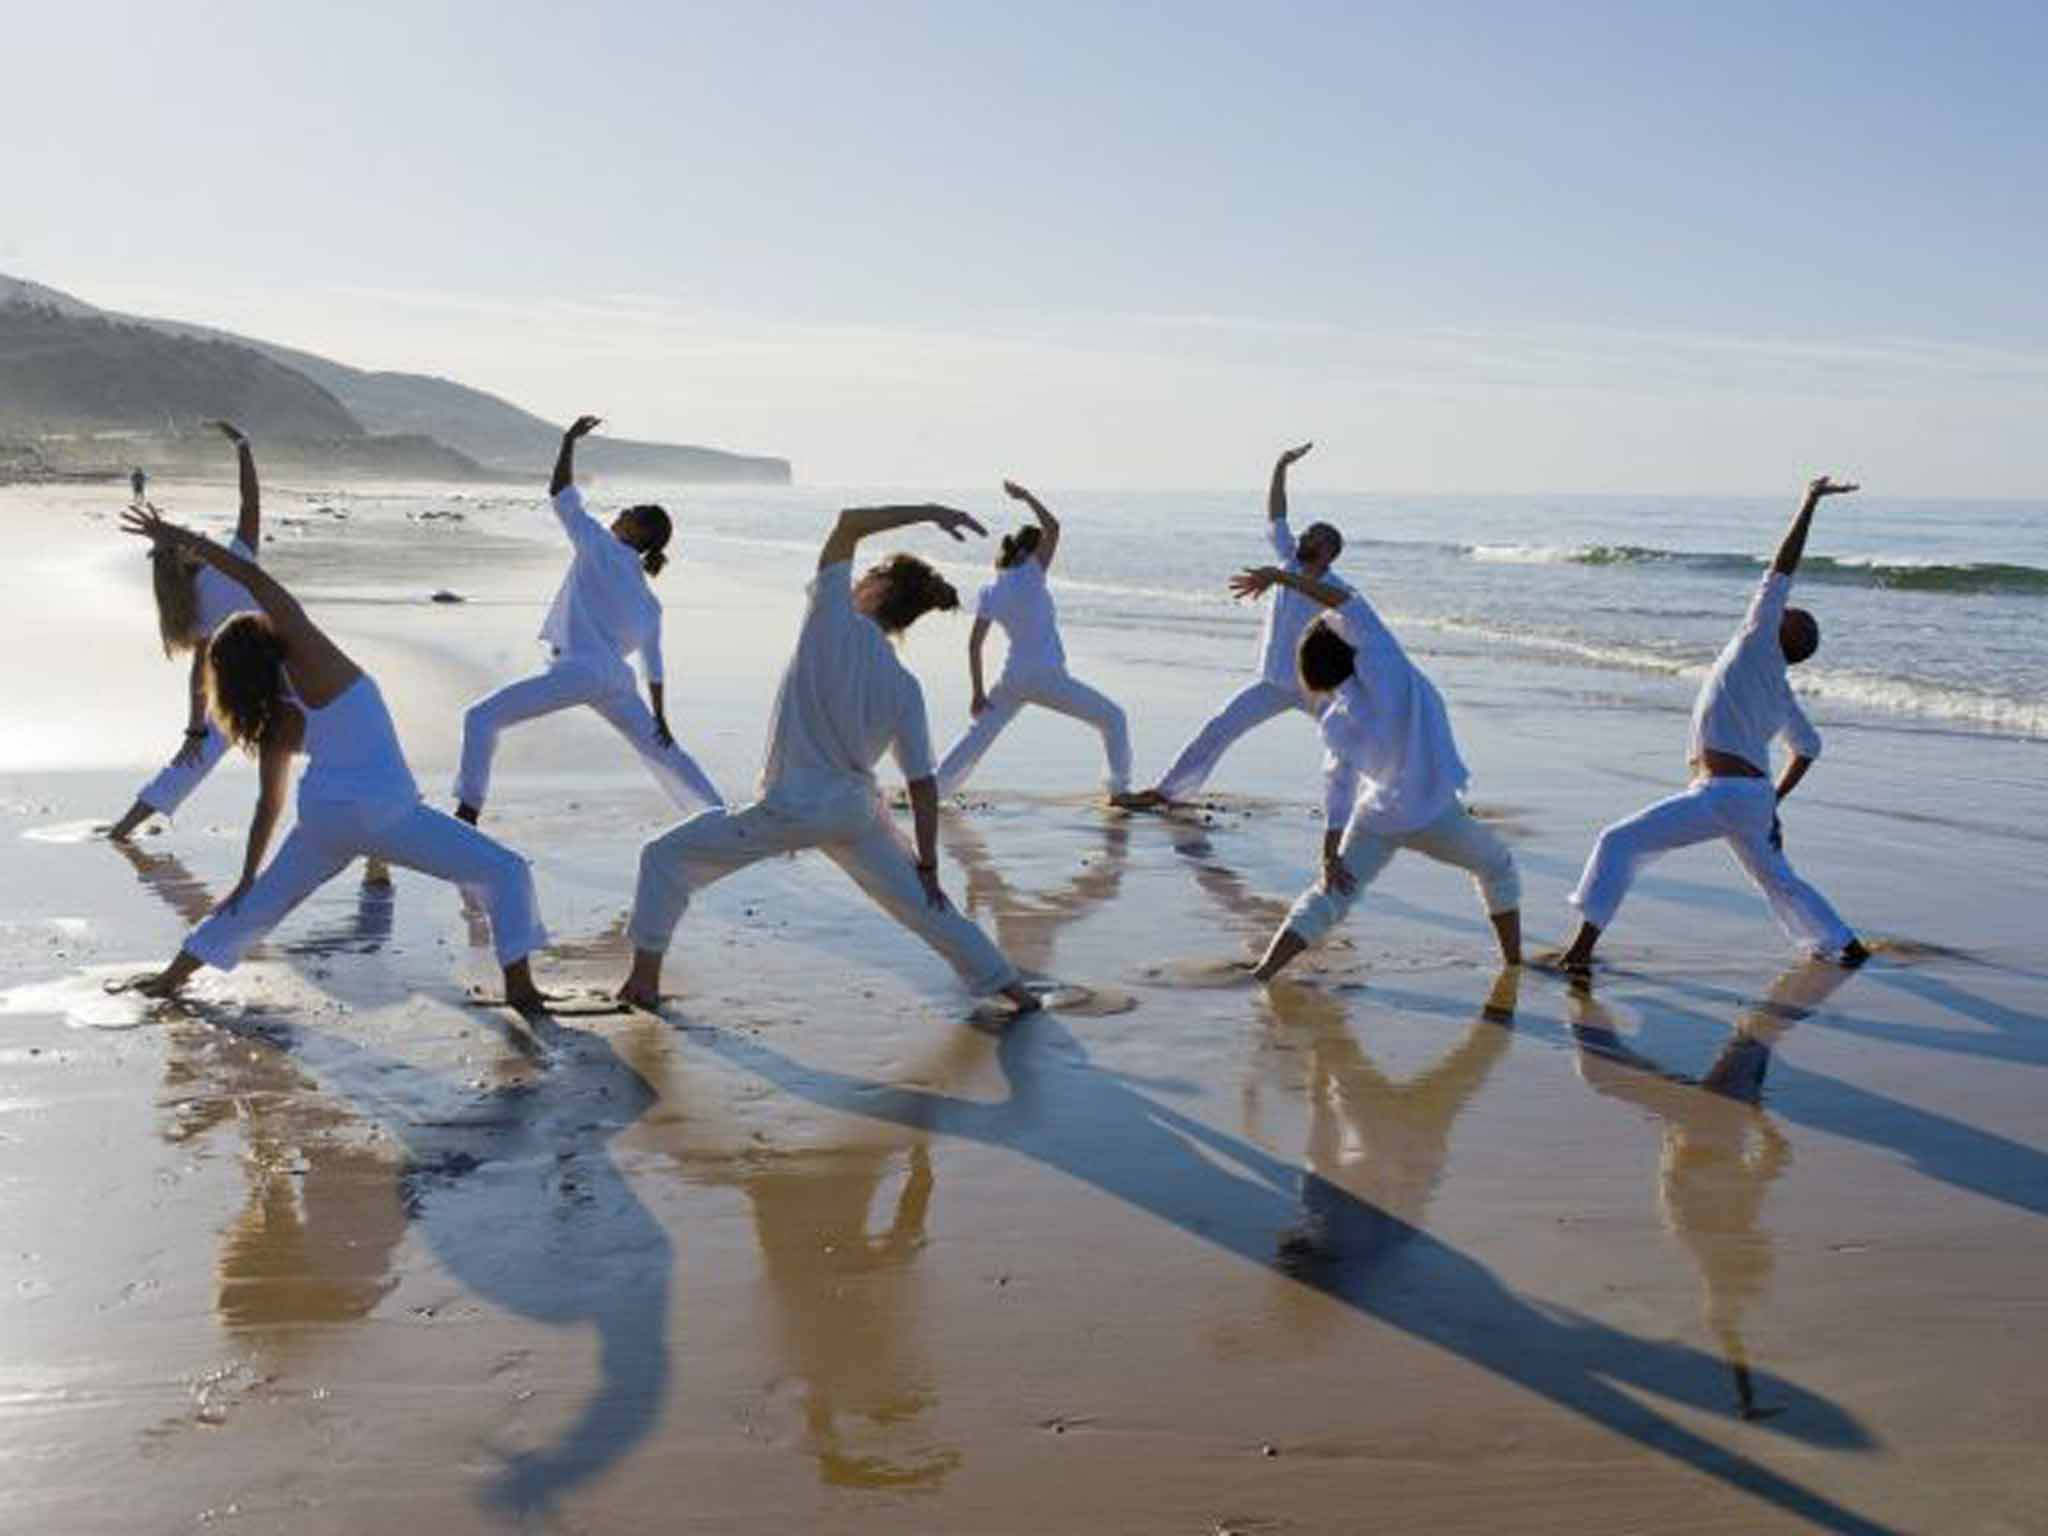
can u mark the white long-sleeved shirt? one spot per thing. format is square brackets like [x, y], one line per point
[221, 596]
[1391, 764]
[603, 609]
[1289, 613]
[1019, 600]
[844, 700]
[1746, 701]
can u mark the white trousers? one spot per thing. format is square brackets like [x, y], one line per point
[1053, 690]
[1737, 810]
[1248, 709]
[174, 785]
[855, 831]
[607, 689]
[1456, 837]
[329, 836]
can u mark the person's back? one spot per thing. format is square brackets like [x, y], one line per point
[1388, 724]
[1020, 602]
[845, 698]
[603, 607]
[1746, 701]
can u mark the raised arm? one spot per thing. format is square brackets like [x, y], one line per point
[1794, 544]
[249, 523]
[857, 523]
[320, 669]
[565, 461]
[1276, 493]
[1049, 526]
[1254, 581]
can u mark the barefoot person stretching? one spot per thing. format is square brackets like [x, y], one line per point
[1278, 689]
[603, 612]
[1744, 704]
[1035, 670]
[277, 687]
[1392, 772]
[845, 699]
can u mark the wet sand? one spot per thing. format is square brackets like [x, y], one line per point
[1728, 1245]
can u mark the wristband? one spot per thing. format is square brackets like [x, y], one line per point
[195, 735]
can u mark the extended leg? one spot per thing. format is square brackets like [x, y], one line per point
[1075, 699]
[1624, 849]
[966, 753]
[1458, 837]
[688, 785]
[531, 697]
[682, 861]
[439, 845]
[1322, 906]
[1801, 910]
[306, 861]
[1250, 708]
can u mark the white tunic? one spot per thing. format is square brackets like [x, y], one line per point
[603, 611]
[221, 597]
[844, 700]
[1746, 701]
[352, 752]
[1289, 613]
[1391, 761]
[1020, 602]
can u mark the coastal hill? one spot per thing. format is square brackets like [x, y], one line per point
[79, 385]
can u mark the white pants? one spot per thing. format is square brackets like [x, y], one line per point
[328, 836]
[174, 785]
[1055, 691]
[1737, 810]
[1455, 837]
[854, 830]
[607, 689]
[1250, 708]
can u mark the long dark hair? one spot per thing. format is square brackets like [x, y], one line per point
[915, 589]
[174, 578]
[1019, 546]
[244, 678]
[654, 520]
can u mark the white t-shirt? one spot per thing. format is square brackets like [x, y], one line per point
[844, 700]
[1289, 613]
[220, 597]
[1019, 600]
[1746, 701]
[603, 610]
[1391, 762]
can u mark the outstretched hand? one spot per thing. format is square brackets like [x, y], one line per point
[953, 520]
[1822, 487]
[1254, 581]
[1017, 492]
[1294, 455]
[232, 433]
[145, 522]
[583, 426]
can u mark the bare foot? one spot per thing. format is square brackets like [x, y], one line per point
[377, 873]
[1853, 956]
[1563, 962]
[1141, 800]
[1026, 1000]
[467, 812]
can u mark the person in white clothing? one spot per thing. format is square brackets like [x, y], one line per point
[1392, 773]
[191, 601]
[844, 700]
[1745, 703]
[1035, 671]
[1278, 689]
[602, 613]
[278, 686]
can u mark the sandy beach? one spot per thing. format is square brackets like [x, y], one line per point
[1404, 1244]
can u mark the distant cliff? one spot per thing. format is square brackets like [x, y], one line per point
[84, 385]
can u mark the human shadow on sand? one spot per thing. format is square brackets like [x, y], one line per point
[1067, 1113]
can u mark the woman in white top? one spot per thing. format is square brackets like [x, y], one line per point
[602, 613]
[1035, 671]
[1745, 703]
[845, 699]
[1392, 772]
[191, 601]
[1278, 689]
[278, 686]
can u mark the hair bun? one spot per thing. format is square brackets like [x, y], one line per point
[652, 561]
[944, 597]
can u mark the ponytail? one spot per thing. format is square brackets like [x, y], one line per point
[1019, 546]
[656, 530]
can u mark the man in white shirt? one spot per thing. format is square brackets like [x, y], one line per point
[1392, 772]
[844, 700]
[1278, 689]
[1745, 703]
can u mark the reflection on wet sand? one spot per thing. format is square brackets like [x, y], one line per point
[1027, 923]
[1721, 1150]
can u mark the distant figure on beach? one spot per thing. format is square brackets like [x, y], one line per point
[1278, 689]
[277, 686]
[1745, 703]
[1035, 670]
[138, 483]
[192, 599]
[844, 700]
[1392, 774]
[602, 613]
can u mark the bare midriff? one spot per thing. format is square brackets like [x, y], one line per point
[1709, 764]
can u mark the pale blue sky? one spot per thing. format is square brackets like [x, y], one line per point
[1466, 246]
